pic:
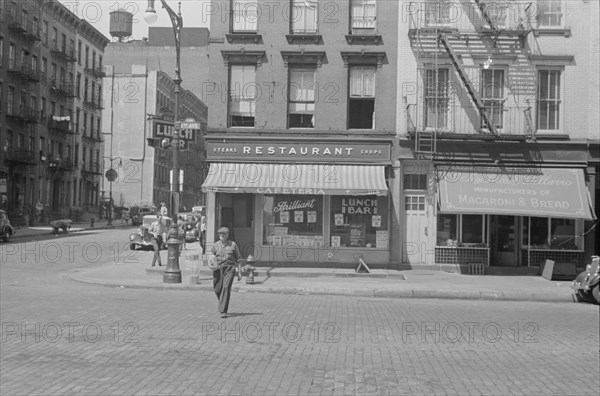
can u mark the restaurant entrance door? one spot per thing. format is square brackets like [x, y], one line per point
[505, 240]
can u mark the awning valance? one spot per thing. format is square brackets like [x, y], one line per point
[296, 179]
[544, 192]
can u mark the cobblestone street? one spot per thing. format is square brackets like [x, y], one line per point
[68, 338]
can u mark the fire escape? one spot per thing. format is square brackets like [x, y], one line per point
[434, 36]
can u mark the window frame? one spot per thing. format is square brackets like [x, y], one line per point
[295, 27]
[560, 101]
[252, 101]
[248, 26]
[496, 110]
[363, 5]
[437, 100]
[290, 102]
[460, 229]
[542, 6]
[363, 96]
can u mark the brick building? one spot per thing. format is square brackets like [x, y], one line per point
[41, 165]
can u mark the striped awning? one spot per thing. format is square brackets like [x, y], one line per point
[302, 179]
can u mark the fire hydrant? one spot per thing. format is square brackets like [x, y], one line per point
[249, 268]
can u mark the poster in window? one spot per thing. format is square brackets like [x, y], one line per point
[280, 231]
[311, 216]
[376, 221]
[381, 239]
[336, 240]
[284, 217]
[357, 235]
[277, 240]
[339, 219]
[299, 216]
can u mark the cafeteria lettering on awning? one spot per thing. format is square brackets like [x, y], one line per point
[552, 192]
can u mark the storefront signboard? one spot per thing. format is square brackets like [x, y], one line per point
[306, 152]
[551, 192]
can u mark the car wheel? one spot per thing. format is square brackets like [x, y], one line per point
[6, 237]
[132, 246]
[596, 293]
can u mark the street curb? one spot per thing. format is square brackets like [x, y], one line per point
[20, 235]
[371, 293]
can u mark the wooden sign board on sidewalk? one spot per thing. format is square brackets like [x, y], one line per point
[548, 269]
[362, 267]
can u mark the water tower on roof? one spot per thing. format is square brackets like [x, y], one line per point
[121, 23]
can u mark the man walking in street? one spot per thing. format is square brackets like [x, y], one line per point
[227, 255]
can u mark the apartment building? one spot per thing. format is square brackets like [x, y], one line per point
[301, 130]
[40, 160]
[498, 130]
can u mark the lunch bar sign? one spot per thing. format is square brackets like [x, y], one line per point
[298, 151]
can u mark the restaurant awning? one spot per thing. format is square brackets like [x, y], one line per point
[296, 179]
[543, 192]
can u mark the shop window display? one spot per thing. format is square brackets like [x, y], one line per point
[293, 220]
[359, 221]
[546, 233]
[460, 230]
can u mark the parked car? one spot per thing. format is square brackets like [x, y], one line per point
[189, 220]
[142, 238]
[62, 224]
[586, 286]
[6, 230]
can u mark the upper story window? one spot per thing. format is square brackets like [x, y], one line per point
[550, 13]
[361, 100]
[242, 95]
[549, 100]
[437, 12]
[79, 52]
[245, 16]
[1, 50]
[54, 38]
[45, 32]
[363, 14]
[437, 98]
[12, 54]
[304, 18]
[301, 103]
[493, 95]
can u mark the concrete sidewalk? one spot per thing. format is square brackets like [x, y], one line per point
[329, 281]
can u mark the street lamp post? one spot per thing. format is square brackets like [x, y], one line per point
[172, 272]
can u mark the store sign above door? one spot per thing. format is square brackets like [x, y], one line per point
[312, 152]
[551, 192]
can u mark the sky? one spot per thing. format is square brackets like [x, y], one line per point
[97, 13]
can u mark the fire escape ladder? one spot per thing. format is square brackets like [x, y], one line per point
[485, 15]
[463, 76]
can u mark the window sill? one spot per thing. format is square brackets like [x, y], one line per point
[552, 31]
[244, 38]
[304, 38]
[363, 39]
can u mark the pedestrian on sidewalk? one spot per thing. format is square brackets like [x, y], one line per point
[225, 258]
[156, 231]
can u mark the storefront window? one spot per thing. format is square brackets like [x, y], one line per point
[293, 220]
[472, 229]
[359, 221]
[546, 233]
[446, 229]
[456, 230]
[562, 234]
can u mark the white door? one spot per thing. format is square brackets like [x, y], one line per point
[414, 246]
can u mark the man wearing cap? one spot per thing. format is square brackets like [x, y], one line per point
[227, 256]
